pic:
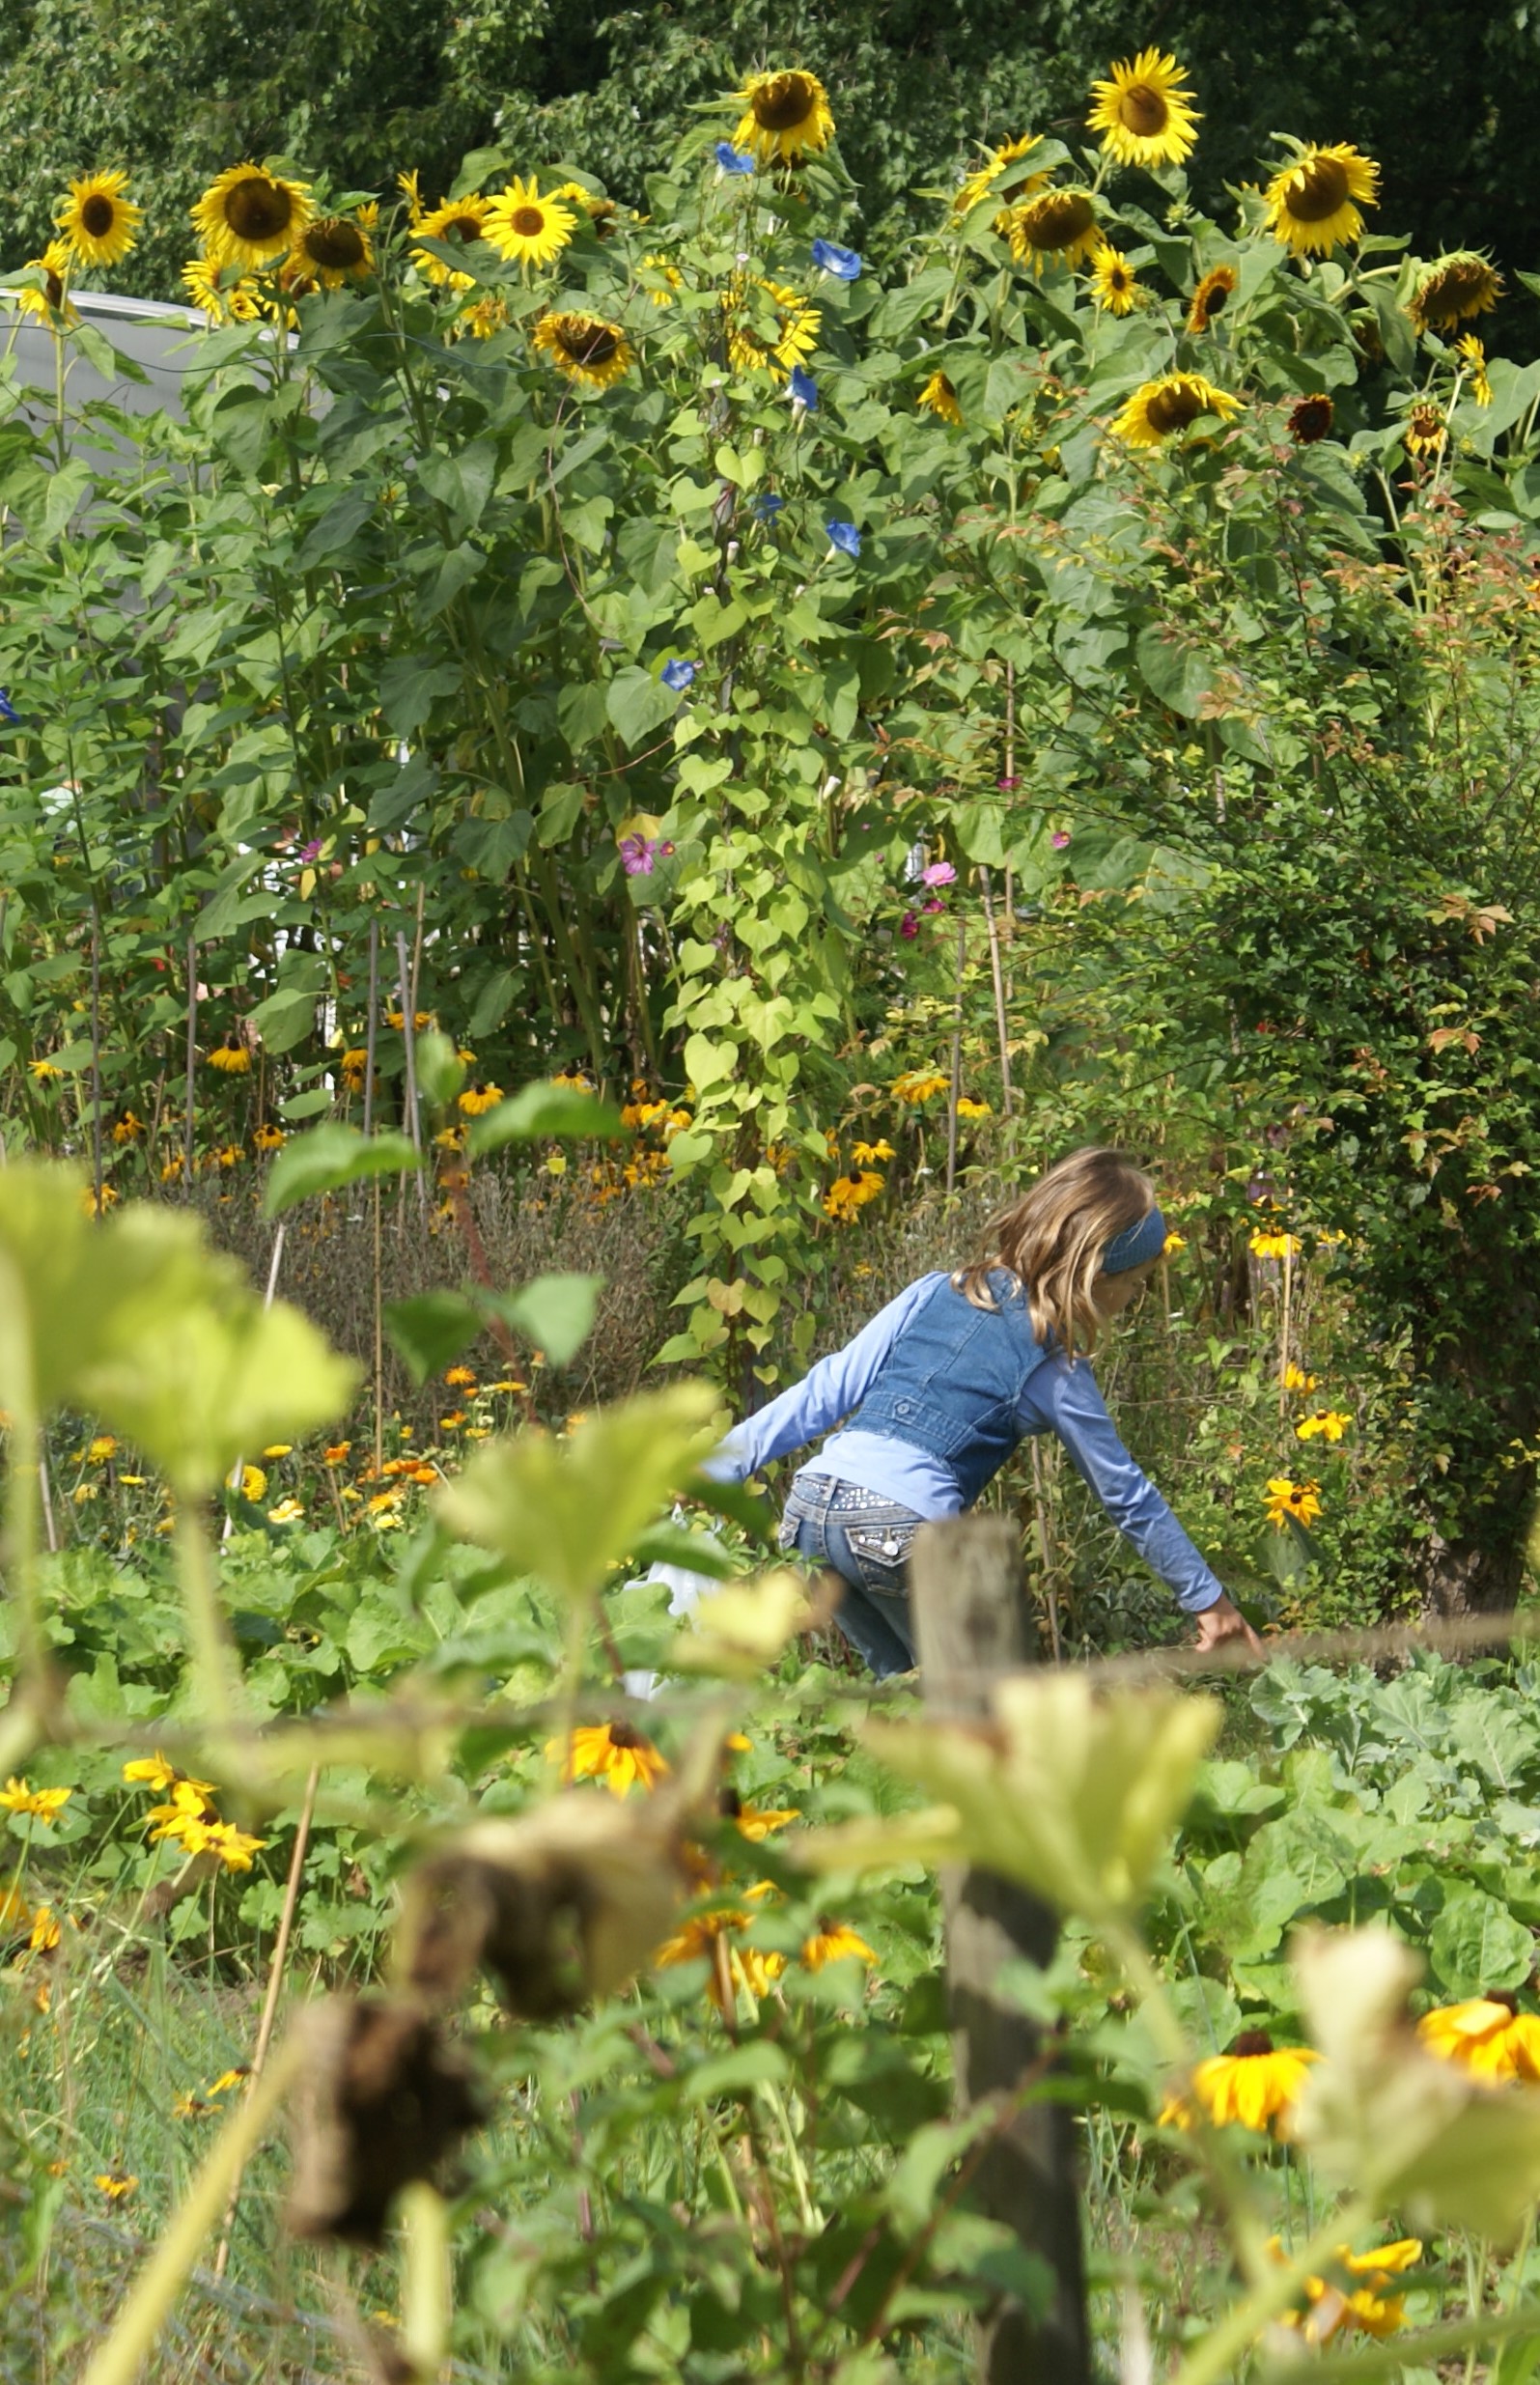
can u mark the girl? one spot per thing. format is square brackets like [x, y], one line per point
[937, 1391]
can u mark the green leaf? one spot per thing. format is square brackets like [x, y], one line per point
[540, 1110]
[638, 704]
[329, 1156]
[555, 1312]
[1476, 1944]
[432, 1328]
[758, 2063]
[1173, 669]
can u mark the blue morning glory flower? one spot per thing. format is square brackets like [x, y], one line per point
[845, 536]
[734, 160]
[766, 505]
[843, 262]
[678, 674]
[805, 390]
[7, 711]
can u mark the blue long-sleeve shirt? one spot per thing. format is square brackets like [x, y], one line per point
[1058, 1397]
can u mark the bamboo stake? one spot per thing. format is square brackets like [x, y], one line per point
[999, 992]
[96, 1052]
[192, 1059]
[957, 1056]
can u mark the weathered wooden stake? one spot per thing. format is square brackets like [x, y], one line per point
[972, 1623]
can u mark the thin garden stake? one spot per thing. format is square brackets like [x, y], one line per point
[96, 1052]
[999, 992]
[192, 1059]
[369, 1121]
[957, 1057]
[237, 1473]
[368, 1037]
[408, 1028]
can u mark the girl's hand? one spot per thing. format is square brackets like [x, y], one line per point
[1222, 1623]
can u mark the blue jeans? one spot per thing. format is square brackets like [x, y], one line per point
[866, 1539]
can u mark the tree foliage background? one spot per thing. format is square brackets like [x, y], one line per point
[176, 89]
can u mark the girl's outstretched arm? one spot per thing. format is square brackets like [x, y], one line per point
[828, 1391]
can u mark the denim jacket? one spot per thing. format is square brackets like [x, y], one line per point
[953, 1381]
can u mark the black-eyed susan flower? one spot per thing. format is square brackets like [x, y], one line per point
[1006, 176]
[98, 219]
[614, 1752]
[129, 1128]
[44, 1072]
[1144, 111]
[529, 231]
[1310, 418]
[968, 1108]
[230, 1056]
[247, 217]
[334, 250]
[229, 2081]
[585, 347]
[1285, 1499]
[479, 1097]
[832, 1942]
[1326, 1425]
[1424, 432]
[919, 1085]
[234, 1848]
[1211, 298]
[1295, 1378]
[455, 224]
[1454, 289]
[154, 1772]
[1057, 227]
[115, 2184]
[938, 397]
[1314, 204]
[48, 298]
[1332, 2308]
[1115, 286]
[46, 1933]
[784, 115]
[1255, 2084]
[43, 1805]
[1486, 2035]
[1271, 1243]
[1472, 357]
[848, 1195]
[756, 1822]
[268, 1137]
[1158, 410]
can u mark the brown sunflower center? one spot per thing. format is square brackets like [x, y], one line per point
[621, 1735]
[1252, 2041]
[784, 103]
[1173, 408]
[97, 215]
[1058, 219]
[1215, 297]
[1503, 1996]
[467, 227]
[1318, 190]
[1311, 420]
[1449, 294]
[1144, 111]
[529, 222]
[1119, 279]
[257, 209]
[53, 288]
[335, 243]
[589, 343]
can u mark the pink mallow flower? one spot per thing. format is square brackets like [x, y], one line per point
[909, 925]
[638, 854]
[938, 874]
[1059, 839]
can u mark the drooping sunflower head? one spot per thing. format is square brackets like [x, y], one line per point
[485, 319]
[1310, 419]
[786, 339]
[1115, 287]
[586, 349]
[529, 231]
[938, 397]
[1424, 432]
[1160, 409]
[1313, 204]
[1144, 111]
[457, 223]
[335, 249]
[1057, 227]
[1454, 289]
[1005, 177]
[247, 217]
[1212, 295]
[238, 301]
[98, 220]
[784, 115]
[51, 302]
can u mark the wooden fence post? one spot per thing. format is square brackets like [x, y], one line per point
[972, 1623]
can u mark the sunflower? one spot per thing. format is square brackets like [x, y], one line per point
[1144, 113]
[1424, 432]
[97, 219]
[527, 229]
[1255, 2083]
[1473, 360]
[1310, 419]
[247, 215]
[601, 212]
[335, 249]
[1058, 226]
[1158, 409]
[938, 397]
[457, 223]
[1312, 204]
[668, 279]
[485, 319]
[1486, 2035]
[202, 280]
[784, 115]
[585, 347]
[1210, 296]
[796, 327]
[1114, 284]
[610, 1751]
[995, 179]
[1453, 288]
[411, 188]
[52, 300]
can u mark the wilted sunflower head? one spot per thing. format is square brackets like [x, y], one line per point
[1056, 227]
[1144, 113]
[1115, 284]
[335, 249]
[1312, 204]
[784, 115]
[1158, 409]
[97, 221]
[938, 397]
[1212, 295]
[247, 215]
[529, 231]
[1453, 288]
[588, 350]
[1310, 419]
[1005, 175]
[1424, 432]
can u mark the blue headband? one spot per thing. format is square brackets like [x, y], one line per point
[1134, 1245]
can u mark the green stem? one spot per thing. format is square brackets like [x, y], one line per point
[212, 1655]
[427, 2280]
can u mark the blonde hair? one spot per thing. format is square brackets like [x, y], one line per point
[1051, 1241]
